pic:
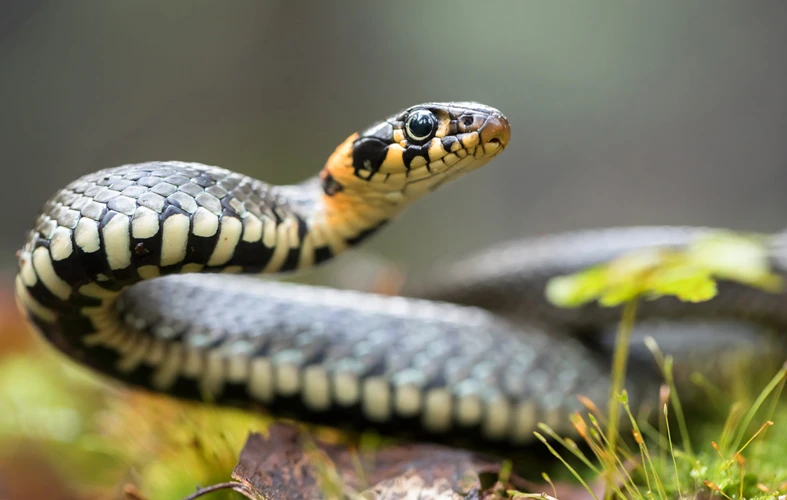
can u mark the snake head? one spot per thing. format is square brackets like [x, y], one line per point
[416, 150]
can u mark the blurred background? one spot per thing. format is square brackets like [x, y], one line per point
[623, 113]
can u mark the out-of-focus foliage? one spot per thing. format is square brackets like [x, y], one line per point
[730, 467]
[688, 274]
[99, 438]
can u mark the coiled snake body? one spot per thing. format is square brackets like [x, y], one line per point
[480, 357]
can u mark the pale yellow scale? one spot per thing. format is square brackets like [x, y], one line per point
[117, 242]
[229, 236]
[260, 383]
[376, 401]
[281, 245]
[316, 388]
[174, 239]
[437, 410]
[42, 262]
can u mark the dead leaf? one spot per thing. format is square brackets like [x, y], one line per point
[287, 466]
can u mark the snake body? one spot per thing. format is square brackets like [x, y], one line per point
[134, 271]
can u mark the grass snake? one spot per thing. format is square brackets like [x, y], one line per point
[135, 271]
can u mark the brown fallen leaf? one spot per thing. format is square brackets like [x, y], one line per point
[287, 465]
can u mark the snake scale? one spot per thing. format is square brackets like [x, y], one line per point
[135, 272]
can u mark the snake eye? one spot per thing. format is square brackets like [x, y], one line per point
[421, 125]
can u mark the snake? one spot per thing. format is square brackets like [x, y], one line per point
[153, 274]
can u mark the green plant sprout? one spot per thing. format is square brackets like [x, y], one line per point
[690, 274]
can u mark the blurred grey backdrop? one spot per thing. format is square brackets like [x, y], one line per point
[623, 113]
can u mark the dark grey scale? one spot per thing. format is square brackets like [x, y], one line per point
[226, 205]
[122, 308]
[203, 180]
[164, 189]
[106, 180]
[137, 318]
[183, 200]
[132, 173]
[176, 179]
[258, 200]
[94, 210]
[66, 197]
[167, 329]
[121, 184]
[313, 345]
[142, 302]
[149, 180]
[122, 204]
[190, 189]
[230, 182]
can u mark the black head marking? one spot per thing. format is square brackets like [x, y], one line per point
[414, 151]
[368, 155]
[448, 142]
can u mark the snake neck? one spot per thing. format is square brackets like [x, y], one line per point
[340, 208]
[113, 228]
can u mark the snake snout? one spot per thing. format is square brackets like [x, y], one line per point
[496, 130]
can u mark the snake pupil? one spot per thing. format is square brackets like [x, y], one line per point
[421, 125]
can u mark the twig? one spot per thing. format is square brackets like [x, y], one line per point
[231, 485]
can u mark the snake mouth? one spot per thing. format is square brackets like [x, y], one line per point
[476, 157]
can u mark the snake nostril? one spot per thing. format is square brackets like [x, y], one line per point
[496, 130]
